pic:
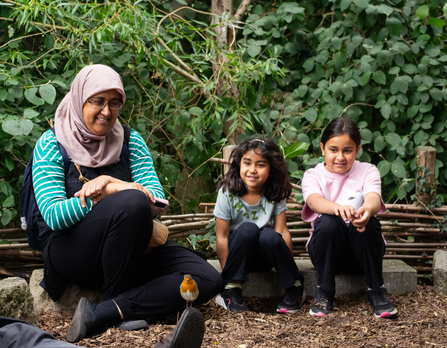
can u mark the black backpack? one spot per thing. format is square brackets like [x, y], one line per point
[29, 212]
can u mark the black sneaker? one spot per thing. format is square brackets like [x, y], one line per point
[232, 300]
[293, 300]
[323, 303]
[381, 304]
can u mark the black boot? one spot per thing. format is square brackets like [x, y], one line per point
[188, 333]
[83, 321]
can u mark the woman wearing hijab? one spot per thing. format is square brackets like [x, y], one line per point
[96, 234]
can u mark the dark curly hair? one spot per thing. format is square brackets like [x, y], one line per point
[277, 187]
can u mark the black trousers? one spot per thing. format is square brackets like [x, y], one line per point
[107, 250]
[339, 248]
[252, 249]
[16, 333]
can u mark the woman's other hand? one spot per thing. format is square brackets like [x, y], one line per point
[114, 187]
[93, 189]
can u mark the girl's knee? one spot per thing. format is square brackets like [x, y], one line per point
[329, 226]
[270, 238]
[247, 231]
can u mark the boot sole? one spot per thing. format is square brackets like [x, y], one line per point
[190, 330]
[78, 328]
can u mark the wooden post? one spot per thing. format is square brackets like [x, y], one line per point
[426, 163]
[227, 150]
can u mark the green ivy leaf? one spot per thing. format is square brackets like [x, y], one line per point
[6, 217]
[30, 94]
[26, 126]
[8, 202]
[144, 75]
[422, 12]
[438, 23]
[345, 4]
[336, 43]
[379, 143]
[435, 94]
[361, 3]
[365, 78]
[12, 127]
[48, 93]
[385, 110]
[412, 111]
[398, 169]
[394, 26]
[383, 168]
[422, 40]
[393, 139]
[379, 77]
[30, 113]
[419, 137]
[295, 150]
[9, 162]
[254, 50]
[309, 64]
[366, 134]
[302, 90]
[400, 47]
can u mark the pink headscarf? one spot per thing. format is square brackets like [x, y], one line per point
[82, 146]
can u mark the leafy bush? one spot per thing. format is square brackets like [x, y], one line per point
[293, 68]
[382, 63]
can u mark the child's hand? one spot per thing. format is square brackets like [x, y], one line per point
[346, 212]
[361, 218]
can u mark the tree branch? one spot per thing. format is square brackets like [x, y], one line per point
[241, 9]
[181, 62]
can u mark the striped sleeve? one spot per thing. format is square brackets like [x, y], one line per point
[49, 186]
[141, 165]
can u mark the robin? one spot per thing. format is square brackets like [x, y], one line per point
[189, 290]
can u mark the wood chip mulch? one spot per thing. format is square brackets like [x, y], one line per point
[421, 322]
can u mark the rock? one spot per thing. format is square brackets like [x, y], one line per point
[67, 302]
[16, 300]
[440, 272]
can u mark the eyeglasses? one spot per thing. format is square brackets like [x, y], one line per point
[99, 104]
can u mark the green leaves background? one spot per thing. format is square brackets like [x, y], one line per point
[295, 65]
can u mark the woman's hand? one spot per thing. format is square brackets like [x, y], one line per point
[94, 189]
[346, 212]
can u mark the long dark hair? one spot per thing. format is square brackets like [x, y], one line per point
[340, 126]
[277, 187]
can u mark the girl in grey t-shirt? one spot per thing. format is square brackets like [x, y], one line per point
[251, 230]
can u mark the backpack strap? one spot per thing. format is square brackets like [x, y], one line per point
[125, 150]
[63, 153]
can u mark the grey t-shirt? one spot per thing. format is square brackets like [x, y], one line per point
[232, 208]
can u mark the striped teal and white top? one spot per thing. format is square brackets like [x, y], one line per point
[49, 180]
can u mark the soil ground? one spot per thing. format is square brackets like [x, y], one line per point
[421, 322]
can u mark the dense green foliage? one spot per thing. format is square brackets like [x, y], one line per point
[294, 67]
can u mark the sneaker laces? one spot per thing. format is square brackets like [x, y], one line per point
[322, 299]
[379, 297]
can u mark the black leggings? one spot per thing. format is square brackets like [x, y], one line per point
[107, 250]
[252, 249]
[336, 248]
